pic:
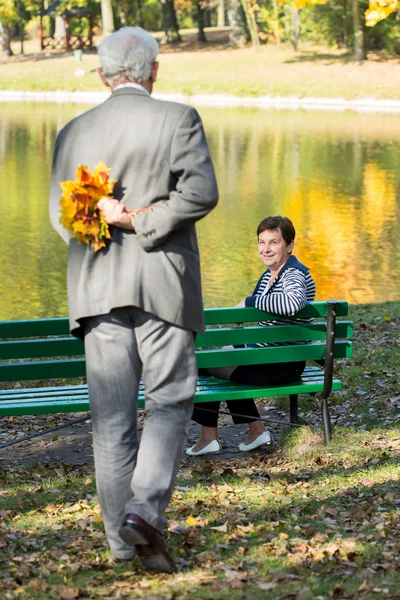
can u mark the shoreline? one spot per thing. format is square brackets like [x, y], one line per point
[368, 105]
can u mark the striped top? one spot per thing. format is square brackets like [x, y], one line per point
[288, 294]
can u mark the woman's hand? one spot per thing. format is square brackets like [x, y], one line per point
[241, 304]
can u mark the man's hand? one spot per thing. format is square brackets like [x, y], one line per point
[116, 213]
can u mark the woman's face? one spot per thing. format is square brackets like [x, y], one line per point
[273, 250]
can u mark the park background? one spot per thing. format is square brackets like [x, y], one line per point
[307, 521]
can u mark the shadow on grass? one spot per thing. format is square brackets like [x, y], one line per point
[40, 56]
[327, 58]
[344, 57]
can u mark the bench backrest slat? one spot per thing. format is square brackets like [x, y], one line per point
[205, 358]
[54, 369]
[65, 346]
[69, 346]
[276, 354]
[34, 328]
[213, 316]
[278, 333]
[313, 310]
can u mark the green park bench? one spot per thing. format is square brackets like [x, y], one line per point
[42, 350]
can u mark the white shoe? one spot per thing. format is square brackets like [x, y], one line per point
[262, 440]
[211, 448]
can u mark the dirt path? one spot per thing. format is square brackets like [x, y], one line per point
[73, 445]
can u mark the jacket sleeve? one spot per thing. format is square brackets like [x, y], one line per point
[195, 192]
[288, 302]
[55, 193]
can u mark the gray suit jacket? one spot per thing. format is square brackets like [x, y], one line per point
[158, 153]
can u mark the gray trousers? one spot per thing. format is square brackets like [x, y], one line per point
[121, 347]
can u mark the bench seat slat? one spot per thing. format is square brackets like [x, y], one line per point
[75, 398]
[31, 392]
[311, 373]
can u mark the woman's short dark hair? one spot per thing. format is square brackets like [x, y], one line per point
[284, 225]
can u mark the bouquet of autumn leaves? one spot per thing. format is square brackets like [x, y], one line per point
[79, 211]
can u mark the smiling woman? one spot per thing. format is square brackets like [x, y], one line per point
[284, 289]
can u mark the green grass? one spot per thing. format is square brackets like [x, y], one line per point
[318, 72]
[307, 522]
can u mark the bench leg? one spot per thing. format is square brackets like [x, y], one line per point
[326, 420]
[294, 408]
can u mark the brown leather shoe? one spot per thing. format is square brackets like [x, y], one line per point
[148, 542]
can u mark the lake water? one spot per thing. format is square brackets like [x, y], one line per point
[336, 175]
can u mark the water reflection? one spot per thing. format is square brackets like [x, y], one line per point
[335, 175]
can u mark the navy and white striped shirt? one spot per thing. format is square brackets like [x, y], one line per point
[288, 294]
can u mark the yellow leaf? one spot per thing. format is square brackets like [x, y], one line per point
[379, 10]
[191, 521]
[97, 518]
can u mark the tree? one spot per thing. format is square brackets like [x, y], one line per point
[5, 39]
[359, 54]
[358, 33]
[8, 16]
[239, 35]
[221, 13]
[169, 22]
[249, 7]
[200, 5]
[293, 27]
[107, 17]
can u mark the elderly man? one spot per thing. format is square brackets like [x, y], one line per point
[137, 303]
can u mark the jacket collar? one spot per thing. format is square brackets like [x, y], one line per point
[293, 263]
[129, 91]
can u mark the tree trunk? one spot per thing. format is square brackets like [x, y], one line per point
[139, 13]
[5, 40]
[239, 35]
[221, 13]
[251, 24]
[169, 23]
[358, 33]
[296, 29]
[21, 27]
[201, 36]
[107, 17]
[345, 32]
[276, 23]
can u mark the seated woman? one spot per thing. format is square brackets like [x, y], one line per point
[283, 289]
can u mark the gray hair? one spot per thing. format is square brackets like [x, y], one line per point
[127, 55]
